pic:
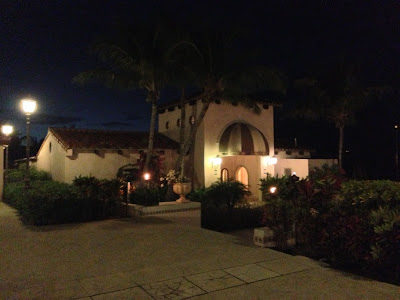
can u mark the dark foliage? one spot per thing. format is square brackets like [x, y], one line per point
[147, 194]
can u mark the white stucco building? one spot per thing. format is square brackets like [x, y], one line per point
[68, 152]
[234, 142]
[231, 142]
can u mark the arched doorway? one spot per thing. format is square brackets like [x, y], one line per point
[242, 176]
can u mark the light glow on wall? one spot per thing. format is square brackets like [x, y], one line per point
[269, 161]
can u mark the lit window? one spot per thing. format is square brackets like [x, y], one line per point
[192, 120]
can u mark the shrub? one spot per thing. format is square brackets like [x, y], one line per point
[98, 198]
[18, 175]
[13, 192]
[147, 194]
[225, 194]
[197, 195]
[48, 202]
[280, 211]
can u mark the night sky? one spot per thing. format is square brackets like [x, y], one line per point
[43, 44]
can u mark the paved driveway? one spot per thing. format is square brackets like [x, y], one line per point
[163, 257]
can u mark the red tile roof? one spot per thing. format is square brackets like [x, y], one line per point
[107, 139]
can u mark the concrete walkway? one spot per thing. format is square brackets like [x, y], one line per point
[163, 257]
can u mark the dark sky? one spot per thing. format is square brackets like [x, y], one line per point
[43, 44]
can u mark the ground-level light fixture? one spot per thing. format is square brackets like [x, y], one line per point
[146, 176]
[273, 189]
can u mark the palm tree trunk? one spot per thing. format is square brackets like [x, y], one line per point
[341, 138]
[180, 164]
[150, 146]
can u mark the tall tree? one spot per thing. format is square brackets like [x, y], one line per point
[335, 97]
[223, 72]
[139, 59]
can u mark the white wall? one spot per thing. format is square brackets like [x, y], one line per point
[218, 118]
[318, 163]
[300, 166]
[106, 164]
[54, 161]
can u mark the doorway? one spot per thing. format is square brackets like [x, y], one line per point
[242, 176]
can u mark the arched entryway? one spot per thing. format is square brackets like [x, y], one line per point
[242, 176]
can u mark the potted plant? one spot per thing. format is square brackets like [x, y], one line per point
[180, 185]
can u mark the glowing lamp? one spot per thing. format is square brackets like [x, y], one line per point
[217, 161]
[293, 173]
[272, 189]
[269, 161]
[146, 176]
[28, 106]
[7, 129]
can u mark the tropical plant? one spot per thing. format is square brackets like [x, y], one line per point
[224, 73]
[139, 60]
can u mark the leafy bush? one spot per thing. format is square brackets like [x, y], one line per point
[225, 194]
[51, 202]
[18, 175]
[98, 198]
[350, 223]
[147, 194]
[13, 192]
[48, 202]
[224, 208]
[197, 195]
[280, 210]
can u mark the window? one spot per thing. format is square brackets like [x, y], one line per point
[166, 125]
[224, 175]
[192, 120]
[178, 123]
[50, 147]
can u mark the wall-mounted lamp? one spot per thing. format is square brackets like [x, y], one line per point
[216, 163]
[269, 160]
[146, 176]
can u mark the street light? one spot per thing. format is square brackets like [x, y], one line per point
[6, 130]
[28, 106]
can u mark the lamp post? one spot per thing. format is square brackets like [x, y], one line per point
[28, 106]
[6, 130]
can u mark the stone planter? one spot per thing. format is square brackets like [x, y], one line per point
[182, 189]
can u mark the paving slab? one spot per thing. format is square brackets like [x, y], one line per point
[214, 280]
[127, 294]
[178, 288]
[283, 266]
[251, 273]
[167, 256]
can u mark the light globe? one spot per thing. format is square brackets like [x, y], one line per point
[7, 129]
[28, 106]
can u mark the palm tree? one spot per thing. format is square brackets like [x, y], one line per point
[222, 73]
[139, 60]
[336, 97]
